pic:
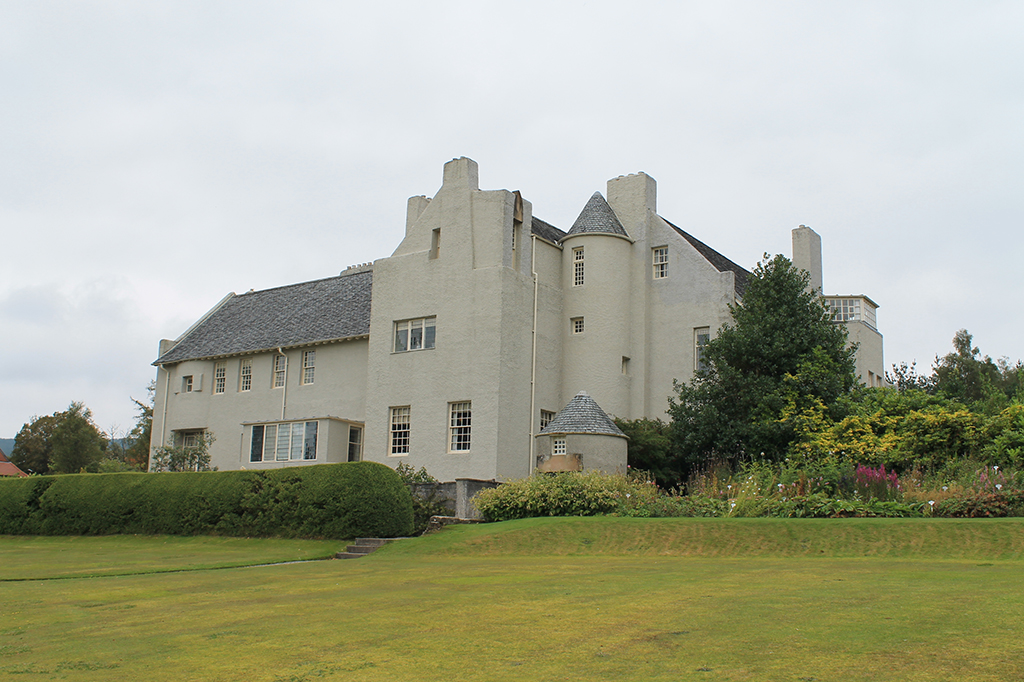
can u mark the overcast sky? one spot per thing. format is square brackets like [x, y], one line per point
[155, 156]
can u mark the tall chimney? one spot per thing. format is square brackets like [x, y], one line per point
[807, 255]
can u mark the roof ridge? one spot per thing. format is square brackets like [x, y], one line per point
[715, 258]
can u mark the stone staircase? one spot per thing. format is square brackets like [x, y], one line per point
[364, 546]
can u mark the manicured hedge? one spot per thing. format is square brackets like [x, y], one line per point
[361, 499]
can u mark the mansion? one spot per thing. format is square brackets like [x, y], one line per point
[487, 345]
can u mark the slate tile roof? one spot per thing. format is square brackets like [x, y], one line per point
[582, 415]
[295, 315]
[546, 230]
[597, 216]
[720, 262]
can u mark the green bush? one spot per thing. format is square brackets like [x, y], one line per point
[822, 506]
[329, 500]
[564, 494]
[979, 504]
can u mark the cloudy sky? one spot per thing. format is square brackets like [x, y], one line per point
[155, 156]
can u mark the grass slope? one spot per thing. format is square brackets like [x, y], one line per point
[534, 600]
[41, 558]
[1001, 539]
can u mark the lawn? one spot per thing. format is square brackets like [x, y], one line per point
[547, 599]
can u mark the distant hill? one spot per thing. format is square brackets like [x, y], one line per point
[7, 444]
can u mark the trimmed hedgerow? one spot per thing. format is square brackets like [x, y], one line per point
[329, 501]
[19, 503]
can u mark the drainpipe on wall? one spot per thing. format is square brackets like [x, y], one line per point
[284, 389]
[533, 361]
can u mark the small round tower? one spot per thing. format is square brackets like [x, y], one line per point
[597, 255]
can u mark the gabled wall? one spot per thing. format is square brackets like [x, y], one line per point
[481, 294]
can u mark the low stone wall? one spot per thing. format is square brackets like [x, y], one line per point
[456, 495]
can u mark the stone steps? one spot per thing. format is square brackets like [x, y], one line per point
[363, 546]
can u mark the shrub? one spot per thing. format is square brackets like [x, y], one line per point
[329, 500]
[427, 497]
[980, 504]
[564, 494]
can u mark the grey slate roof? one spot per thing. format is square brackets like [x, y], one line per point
[597, 216]
[298, 314]
[720, 262]
[546, 230]
[582, 415]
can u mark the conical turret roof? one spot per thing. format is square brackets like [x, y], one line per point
[597, 217]
[582, 415]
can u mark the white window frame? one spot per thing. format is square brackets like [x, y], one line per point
[280, 370]
[659, 261]
[558, 446]
[188, 383]
[545, 418]
[355, 443]
[292, 441]
[701, 337]
[399, 430]
[406, 338]
[845, 309]
[245, 375]
[577, 266]
[220, 376]
[460, 426]
[576, 325]
[308, 367]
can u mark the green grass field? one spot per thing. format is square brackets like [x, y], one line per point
[541, 599]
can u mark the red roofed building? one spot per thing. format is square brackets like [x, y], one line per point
[7, 467]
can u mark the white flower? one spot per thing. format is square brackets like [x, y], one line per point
[931, 502]
[999, 486]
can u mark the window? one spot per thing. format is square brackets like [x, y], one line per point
[558, 446]
[517, 229]
[245, 375]
[289, 441]
[415, 334]
[545, 418]
[577, 325]
[191, 439]
[435, 243]
[701, 336]
[220, 376]
[280, 369]
[660, 262]
[577, 266]
[308, 366]
[844, 309]
[625, 365]
[186, 384]
[459, 426]
[399, 430]
[355, 443]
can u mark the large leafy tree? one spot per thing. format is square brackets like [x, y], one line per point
[32, 447]
[650, 448]
[781, 355]
[76, 443]
[975, 380]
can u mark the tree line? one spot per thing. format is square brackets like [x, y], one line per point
[69, 442]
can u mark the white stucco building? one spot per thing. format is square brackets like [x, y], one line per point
[456, 351]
